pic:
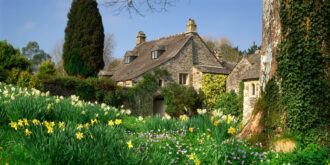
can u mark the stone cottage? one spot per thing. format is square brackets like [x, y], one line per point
[247, 70]
[184, 55]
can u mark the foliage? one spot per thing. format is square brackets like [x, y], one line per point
[212, 86]
[180, 100]
[76, 66]
[240, 97]
[40, 129]
[84, 33]
[224, 47]
[35, 55]
[114, 98]
[3, 74]
[25, 79]
[113, 64]
[46, 69]
[302, 63]
[13, 76]
[228, 103]
[11, 58]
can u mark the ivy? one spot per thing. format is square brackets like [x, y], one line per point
[302, 64]
[212, 87]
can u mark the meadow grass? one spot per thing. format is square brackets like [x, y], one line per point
[36, 128]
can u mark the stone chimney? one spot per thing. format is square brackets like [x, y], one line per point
[140, 38]
[191, 26]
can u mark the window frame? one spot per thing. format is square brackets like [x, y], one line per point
[183, 78]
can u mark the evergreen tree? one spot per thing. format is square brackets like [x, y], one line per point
[84, 32]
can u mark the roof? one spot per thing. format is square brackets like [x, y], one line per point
[213, 69]
[172, 45]
[254, 69]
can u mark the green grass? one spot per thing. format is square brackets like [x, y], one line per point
[155, 140]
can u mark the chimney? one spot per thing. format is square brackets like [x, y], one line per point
[140, 38]
[191, 26]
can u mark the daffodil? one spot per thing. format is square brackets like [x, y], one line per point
[61, 124]
[215, 123]
[49, 129]
[20, 123]
[197, 162]
[229, 119]
[1, 148]
[212, 118]
[231, 130]
[192, 156]
[191, 129]
[87, 125]
[13, 125]
[118, 121]
[48, 106]
[111, 123]
[79, 135]
[129, 143]
[208, 136]
[25, 122]
[80, 126]
[93, 121]
[27, 132]
[35, 121]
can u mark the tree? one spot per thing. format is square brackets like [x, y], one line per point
[35, 55]
[253, 48]
[57, 52]
[11, 57]
[46, 69]
[84, 32]
[224, 47]
[134, 6]
[113, 64]
[107, 50]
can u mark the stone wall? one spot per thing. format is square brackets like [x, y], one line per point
[235, 77]
[249, 98]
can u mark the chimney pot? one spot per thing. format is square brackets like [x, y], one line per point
[191, 26]
[140, 38]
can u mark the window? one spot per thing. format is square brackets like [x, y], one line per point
[127, 60]
[253, 89]
[160, 83]
[154, 54]
[183, 78]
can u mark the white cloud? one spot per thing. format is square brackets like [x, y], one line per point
[28, 26]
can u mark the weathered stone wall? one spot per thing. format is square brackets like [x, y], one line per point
[271, 35]
[197, 78]
[249, 99]
[235, 77]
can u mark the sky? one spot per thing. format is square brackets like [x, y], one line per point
[44, 21]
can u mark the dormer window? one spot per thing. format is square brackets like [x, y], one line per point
[127, 60]
[154, 54]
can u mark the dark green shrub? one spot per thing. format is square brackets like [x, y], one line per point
[76, 66]
[4, 73]
[46, 69]
[228, 103]
[114, 98]
[180, 100]
[84, 90]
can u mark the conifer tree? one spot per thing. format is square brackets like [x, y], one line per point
[84, 36]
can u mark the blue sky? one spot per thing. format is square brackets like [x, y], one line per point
[44, 21]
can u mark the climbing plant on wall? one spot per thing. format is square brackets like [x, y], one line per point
[302, 65]
[212, 87]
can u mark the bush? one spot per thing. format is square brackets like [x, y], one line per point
[180, 100]
[4, 73]
[46, 69]
[13, 76]
[114, 98]
[213, 87]
[228, 103]
[27, 80]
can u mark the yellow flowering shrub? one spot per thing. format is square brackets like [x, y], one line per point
[212, 87]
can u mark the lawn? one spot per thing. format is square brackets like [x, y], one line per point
[36, 128]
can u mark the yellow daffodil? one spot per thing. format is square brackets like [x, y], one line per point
[192, 156]
[48, 106]
[118, 121]
[27, 132]
[52, 124]
[111, 123]
[1, 148]
[92, 137]
[144, 121]
[13, 125]
[191, 129]
[231, 130]
[87, 125]
[129, 143]
[79, 135]
[208, 136]
[201, 141]
[80, 126]
[35, 121]
[229, 119]
[49, 129]
[25, 122]
[20, 123]
[93, 121]
[241, 126]
[197, 162]
[61, 124]
[212, 118]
